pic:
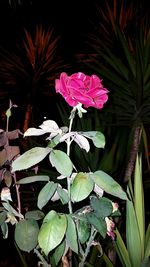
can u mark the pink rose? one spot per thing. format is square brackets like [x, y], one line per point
[81, 88]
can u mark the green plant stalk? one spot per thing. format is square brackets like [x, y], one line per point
[18, 193]
[44, 262]
[8, 114]
[68, 153]
[89, 243]
[107, 261]
[21, 257]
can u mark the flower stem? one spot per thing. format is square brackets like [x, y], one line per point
[68, 153]
[89, 243]
[18, 194]
[43, 261]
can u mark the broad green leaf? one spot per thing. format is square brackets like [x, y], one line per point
[108, 184]
[30, 158]
[8, 112]
[99, 140]
[34, 132]
[3, 216]
[81, 187]
[58, 253]
[83, 230]
[63, 195]
[102, 206]
[97, 137]
[122, 250]
[54, 142]
[50, 126]
[147, 242]
[26, 234]
[61, 162]
[98, 223]
[8, 207]
[32, 179]
[71, 234]
[34, 214]
[133, 236]
[82, 142]
[46, 193]
[8, 178]
[4, 228]
[139, 201]
[52, 231]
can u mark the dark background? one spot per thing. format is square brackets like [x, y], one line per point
[70, 19]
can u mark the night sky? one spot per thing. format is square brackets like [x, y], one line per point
[70, 19]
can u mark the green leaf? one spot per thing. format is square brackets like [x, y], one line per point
[81, 187]
[133, 236]
[8, 207]
[32, 179]
[63, 195]
[4, 228]
[126, 50]
[26, 234]
[108, 184]
[122, 250]
[71, 234]
[98, 223]
[52, 231]
[83, 230]
[107, 260]
[97, 137]
[46, 193]
[34, 214]
[102, 206]
[61, 162]
[30, 158]
[139, 201]
[8, 178]
[58, 253]
[8, 112]
[147, 242]
[54, 142]
[3, 216]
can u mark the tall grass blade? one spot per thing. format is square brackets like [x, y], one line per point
[133, 235]
[122, 250]
[139, 201]
[147, 242]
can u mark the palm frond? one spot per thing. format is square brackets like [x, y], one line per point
[35, 63]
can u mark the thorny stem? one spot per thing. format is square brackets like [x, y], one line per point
[18, 193]
[89, 243]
